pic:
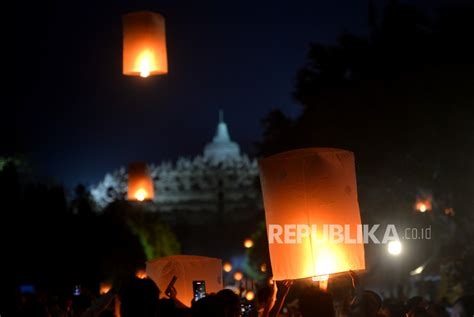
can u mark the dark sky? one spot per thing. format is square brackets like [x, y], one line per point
[76, 117]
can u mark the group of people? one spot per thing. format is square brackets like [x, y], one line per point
[141, 298]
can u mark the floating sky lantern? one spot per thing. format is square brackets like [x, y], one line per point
[423, 205]
[144, 44]
[105, 287]
[141, 274]
[227, 267]
[311, 188]
[248, 243]
[140, 183]
[250, 296]
[263, 267]
[238, 276]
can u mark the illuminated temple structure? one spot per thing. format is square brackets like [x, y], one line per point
[221, 181]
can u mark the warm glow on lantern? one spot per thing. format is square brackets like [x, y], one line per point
[104, 288]
[305, 189]
[141, 274]
[248, 243]
[227, 267]
[250, 295]
[140, 194]
[394, 248]
[238, 276]
[144, 44]
[423, 205]
[140, 183]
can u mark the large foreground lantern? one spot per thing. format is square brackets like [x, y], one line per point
[187, 268]
[140, 183]
[144, 44]
[312, 213]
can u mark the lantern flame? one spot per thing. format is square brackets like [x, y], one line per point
[423, 205]
[320, 278]
[145, 63]
[104, 288]
[141, 194]
[141, 274]
[238, 276]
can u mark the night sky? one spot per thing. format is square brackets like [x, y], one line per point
[76, 117]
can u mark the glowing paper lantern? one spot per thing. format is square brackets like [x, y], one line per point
[248, 243]
[141, 274]
[227, 267]
[250, 296]
[140, 183]
[144, 44]
[187, 268]
[311, 189]
[423, 205]
[238, 276]
[105, 288]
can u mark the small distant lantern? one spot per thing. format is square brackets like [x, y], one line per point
[308, 189]
[238, 276]
[105, 288]
[423, 205]
[263, 267]
[141, 274]
[140, 183]
[449, 211]
[248, 243]
[144, 44]
[227, 267]
[250, 296]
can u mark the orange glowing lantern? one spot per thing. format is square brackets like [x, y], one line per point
[238, 276]
[312, 213]
[248, 243]
[227, 267]
[105, 288]
[140, 183]
[423, 205]
[186, 268]
[141, 274]
[250, 296]
[263, 267]
[144, 44]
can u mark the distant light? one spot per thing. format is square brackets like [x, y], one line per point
[141, 274]
[104, 288]
[227, 267]
[250, 295]
[417, 271]
[238, 276]
[449, 211]
[423, 205]
[394, 247]
[248, 243]
[263, 267]
[140, 194]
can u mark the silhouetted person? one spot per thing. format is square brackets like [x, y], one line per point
[139, 298]
[314, 303]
